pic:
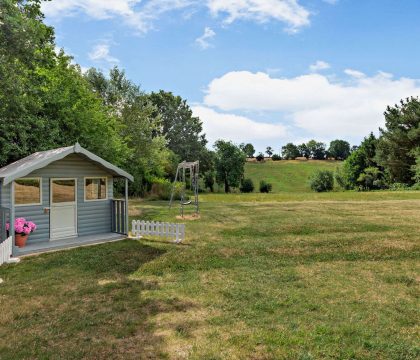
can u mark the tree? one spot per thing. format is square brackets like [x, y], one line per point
[339, 149]
[209, 180]
[400, 141]
[229, 163]
[290, 151]
[149, 157]
[44, 100]
[248, 149]
[182, 130]
[304, 151]
[269, 151]
[316, 150]
[370, 178]
[358, 161]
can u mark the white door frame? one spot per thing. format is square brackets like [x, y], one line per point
[66, 203]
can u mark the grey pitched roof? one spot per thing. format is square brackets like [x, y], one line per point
[41, 159]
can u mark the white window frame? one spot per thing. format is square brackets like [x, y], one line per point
[95, 177]
[40, 191]
[51, 192]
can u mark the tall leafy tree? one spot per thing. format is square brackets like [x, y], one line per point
[304, 151]
[358, 161]
[26, 45]
[140, 126]
[316, 150]
[248, 149]
[290, 151]
[339, 149]
[399, 142]
[230, 164]
[182, 130]
[269, 151]
[44, 100]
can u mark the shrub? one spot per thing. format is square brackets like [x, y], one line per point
[247, 186]
[341, 179]
[276, 157]
[399, 187]
[162, 188]
[265, 187]
[322, 181]
[416, 186]
[260, 157]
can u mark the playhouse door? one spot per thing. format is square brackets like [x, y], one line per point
[63, 215]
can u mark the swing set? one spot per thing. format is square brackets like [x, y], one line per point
[181, 176]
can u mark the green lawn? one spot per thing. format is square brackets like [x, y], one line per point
[317, 277]
[287, 175]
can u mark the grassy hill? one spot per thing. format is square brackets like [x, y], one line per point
[287, 175]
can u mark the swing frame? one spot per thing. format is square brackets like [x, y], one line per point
[180, 176]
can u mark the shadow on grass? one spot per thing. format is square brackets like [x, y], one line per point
[82, 303]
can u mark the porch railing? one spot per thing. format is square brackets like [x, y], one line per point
[119, 217]
[6, 243]
[4, 218]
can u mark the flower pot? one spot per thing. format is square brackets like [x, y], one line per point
[20, 240]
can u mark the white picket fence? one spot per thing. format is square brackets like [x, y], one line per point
[174, 232]
[6, 250]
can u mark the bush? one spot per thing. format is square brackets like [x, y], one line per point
[398, 187]
[247, 186]
[265, 187]
[322, 181]
[341, 179]
[260, 157]
[162, 188]
[276, 157]
[416, 186]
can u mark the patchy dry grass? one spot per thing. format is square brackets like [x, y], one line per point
[319, 278]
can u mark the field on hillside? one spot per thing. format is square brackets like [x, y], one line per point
[287, 175]
[325, 276]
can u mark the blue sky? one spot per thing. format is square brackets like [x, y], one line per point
[264, 71]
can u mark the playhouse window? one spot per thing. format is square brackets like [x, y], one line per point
[28, 191]
[95, 189]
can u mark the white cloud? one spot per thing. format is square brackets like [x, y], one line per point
[217, 125]
[287, 11]
[314, 103]
[141, 14]
[138, 14]
[101, 53]
[203, 40]
[354, 73]
[319, 65]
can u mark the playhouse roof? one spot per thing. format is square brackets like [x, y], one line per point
[41, 159]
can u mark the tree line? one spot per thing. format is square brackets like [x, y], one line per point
[338, 149]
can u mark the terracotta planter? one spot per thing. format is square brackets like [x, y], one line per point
[20, 240]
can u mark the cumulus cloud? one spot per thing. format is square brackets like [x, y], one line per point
[204, 40]
[138, 14]
[142, 14]
[314, 103]
[219, 125]
[287, 11]
[101, 53]
[319, 65]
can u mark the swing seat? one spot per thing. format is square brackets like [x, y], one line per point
[186, 203]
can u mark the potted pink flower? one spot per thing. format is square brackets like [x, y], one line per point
[22, 230]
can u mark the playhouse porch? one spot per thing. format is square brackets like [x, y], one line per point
[46, 246]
